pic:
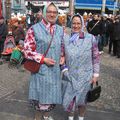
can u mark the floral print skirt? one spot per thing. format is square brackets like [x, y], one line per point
[42, 107]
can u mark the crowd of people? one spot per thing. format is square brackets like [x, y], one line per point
[106, 30]
[75, 55]
[104, 27]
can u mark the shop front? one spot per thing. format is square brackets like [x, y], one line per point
[36, 5]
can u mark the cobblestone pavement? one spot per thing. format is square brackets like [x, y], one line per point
[14, 93]
[109, 80]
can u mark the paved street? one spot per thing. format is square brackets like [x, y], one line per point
[14, 93]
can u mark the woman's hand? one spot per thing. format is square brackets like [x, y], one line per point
[49, 61]
[94, 80]
[62, 60]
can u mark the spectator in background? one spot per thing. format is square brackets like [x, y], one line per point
[38, 17]
[111, 48]
[30, 19]
[116, 42]
[18, 32]
[94, 27]
[68, 20]
[105, 35]
[3, 33]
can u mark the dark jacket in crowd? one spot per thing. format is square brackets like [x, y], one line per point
[117, 31]
[3, 32]
[111, 30]
[18, 34]
[104, 26]
[96, 30]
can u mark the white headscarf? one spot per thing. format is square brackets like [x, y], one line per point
[76, 36]
[49, 27]
[45, 10]
[81, 18]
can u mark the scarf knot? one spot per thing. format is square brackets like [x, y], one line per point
[76, 36]
[49, 27]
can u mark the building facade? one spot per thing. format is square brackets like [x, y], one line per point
[10, 6]
[18, 6]
[35, 5]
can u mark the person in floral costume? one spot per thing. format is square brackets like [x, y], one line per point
[45, 86]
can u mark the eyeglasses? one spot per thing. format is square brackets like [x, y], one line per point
[52, 12]
[76, 23]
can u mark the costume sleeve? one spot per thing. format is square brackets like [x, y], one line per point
[95, 58]
[30, 47]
